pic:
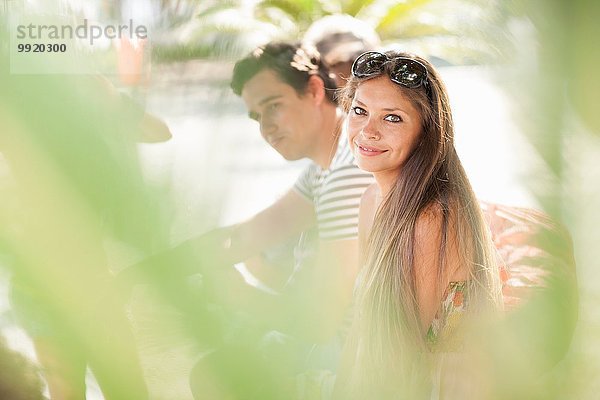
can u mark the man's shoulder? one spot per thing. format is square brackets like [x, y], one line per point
[345, 165]
[343, 155]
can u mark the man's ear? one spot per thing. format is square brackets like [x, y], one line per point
[316, 89]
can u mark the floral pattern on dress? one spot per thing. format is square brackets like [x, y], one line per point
[441, 332]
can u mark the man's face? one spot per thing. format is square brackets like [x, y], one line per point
[287, 119]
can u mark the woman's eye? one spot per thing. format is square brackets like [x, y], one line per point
[393, 118]
[359, 111]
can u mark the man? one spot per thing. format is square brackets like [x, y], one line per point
[288, 91]
[339, 39]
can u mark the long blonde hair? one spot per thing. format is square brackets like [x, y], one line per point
[387, 339]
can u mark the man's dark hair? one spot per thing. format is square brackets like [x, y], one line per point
[292, 62]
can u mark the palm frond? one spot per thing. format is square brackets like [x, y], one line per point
[353, 7]
[398, 12]
[298, 10]
[217, 6]
[228, 34]
[417, 29]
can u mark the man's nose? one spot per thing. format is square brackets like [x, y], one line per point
[267, 127]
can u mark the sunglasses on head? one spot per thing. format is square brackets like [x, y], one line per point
[406, 71]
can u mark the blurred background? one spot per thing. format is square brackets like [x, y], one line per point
[524, 90]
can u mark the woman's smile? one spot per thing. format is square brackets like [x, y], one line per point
[383, 126]
[368, 151]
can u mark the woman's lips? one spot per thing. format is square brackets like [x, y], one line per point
[369, 151]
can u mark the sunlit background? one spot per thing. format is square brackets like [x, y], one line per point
[524, 91]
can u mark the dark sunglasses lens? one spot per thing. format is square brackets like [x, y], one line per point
[409, 73]
[369, 64]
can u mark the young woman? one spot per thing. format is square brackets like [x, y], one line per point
[429, 263]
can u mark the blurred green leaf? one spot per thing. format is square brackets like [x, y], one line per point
[353, 7]
[399, 12]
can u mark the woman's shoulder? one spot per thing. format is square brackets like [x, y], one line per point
[429, 234]
[428, 224]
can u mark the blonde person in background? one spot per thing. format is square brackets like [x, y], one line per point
[340, 38]
[429, 261]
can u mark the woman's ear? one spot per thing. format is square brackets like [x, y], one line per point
[316, 89]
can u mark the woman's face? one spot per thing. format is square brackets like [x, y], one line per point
[383, 126]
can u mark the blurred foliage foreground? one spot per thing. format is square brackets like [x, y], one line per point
[73, 180]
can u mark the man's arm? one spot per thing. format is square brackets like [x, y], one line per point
[288, 216]
[313, 305]
[326, 305]
[226, 246]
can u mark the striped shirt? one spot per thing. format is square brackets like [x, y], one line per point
[335, 193]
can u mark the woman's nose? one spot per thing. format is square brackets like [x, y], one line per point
[370, 131]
